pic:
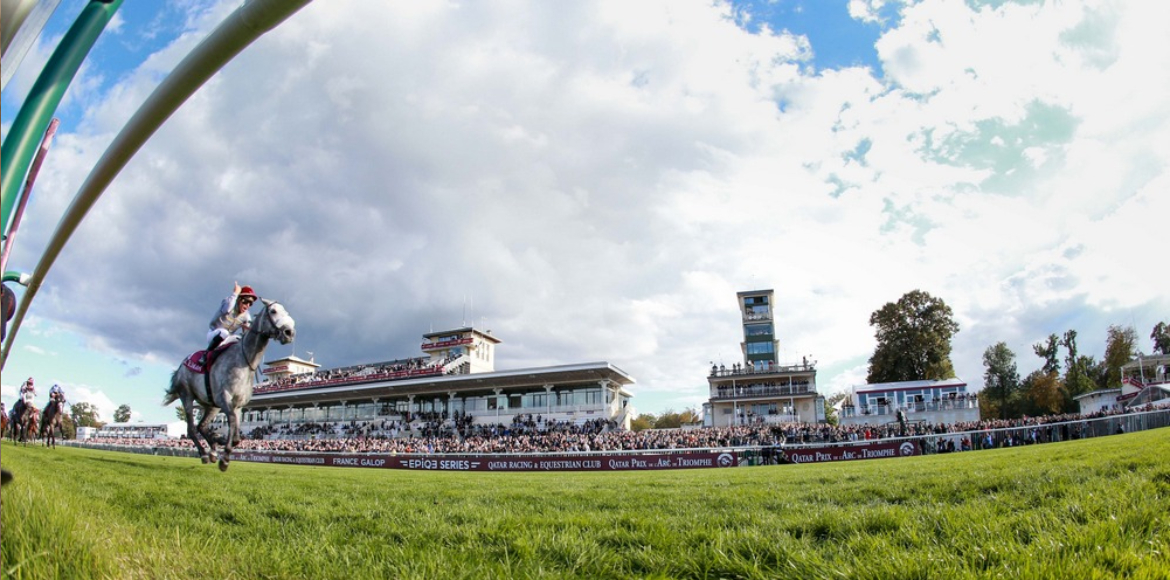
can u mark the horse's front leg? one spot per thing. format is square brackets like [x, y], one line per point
[233, 438]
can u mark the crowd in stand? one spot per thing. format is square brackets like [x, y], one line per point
[533, 434]
[382, 371]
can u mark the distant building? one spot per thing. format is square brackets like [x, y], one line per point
[171, 430]
[760, 390]
[1104, 400]
[945, 401]
[455, 378]
[1144, 381]
[286, 367]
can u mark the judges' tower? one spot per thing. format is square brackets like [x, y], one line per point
[759, 335]
[762, 390]
[472, 350]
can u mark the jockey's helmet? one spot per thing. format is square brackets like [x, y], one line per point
[246, 292]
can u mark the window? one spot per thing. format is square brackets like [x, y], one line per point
[760, 347]
[536, 400]
[758, 330]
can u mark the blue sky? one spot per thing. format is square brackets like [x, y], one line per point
[595, 181]
[838, 39]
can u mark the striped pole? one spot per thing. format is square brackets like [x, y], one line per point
[21, 142]
[233, 35]
[28, 185]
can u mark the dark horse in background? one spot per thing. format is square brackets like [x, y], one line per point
[24, 426]
[51, 423]
[229, 386]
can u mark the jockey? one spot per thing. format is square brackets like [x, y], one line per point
[232, 318]
[57, 393]
[27, 393]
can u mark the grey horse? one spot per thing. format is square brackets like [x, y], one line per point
[232, 379]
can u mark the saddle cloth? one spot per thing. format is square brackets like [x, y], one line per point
[198, 362]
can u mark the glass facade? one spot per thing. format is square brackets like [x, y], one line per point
[900, 398]
[760, 348]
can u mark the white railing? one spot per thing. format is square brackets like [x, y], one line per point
[785, 390]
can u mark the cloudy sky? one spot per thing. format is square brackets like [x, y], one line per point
[596, 180]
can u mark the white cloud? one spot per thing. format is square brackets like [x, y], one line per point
[598, 184]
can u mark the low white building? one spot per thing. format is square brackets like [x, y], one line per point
[1104, 400]
[141, 430]
[945, 401]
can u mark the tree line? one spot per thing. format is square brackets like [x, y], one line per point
[1064, 374]
[914, 343]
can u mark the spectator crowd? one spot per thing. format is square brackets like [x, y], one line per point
[429, 434]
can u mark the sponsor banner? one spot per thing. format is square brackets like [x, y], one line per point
[500, 462]
[852, 452]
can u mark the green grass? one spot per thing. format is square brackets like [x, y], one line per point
[1084, 509]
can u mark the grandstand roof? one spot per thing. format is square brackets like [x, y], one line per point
[1147, 361]
[908, 385]
[487, 334]
[1098, 393]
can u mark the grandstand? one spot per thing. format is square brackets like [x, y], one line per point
[455, 380]
[1145, 381]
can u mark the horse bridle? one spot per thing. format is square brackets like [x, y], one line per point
[244, 344]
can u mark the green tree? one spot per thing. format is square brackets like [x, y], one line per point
[1096, 372]
[1050, 352]
[1161, 338]
[642, 422]
[1076, 374]
[1043, 393]
[831, 407]
[1001, 380]
[122, 414]
[670, 419]
[913, 339]
[84, 415]
[68, 428]
[1120, 348]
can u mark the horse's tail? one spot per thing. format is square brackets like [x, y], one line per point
[174, 390]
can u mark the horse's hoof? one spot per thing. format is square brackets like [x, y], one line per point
[223, 464]
[214, 457]
[204, 459]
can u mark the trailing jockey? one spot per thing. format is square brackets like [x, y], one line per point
[27, 393]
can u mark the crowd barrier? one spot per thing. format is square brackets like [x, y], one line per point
[653, 459]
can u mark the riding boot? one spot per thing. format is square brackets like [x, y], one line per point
[215, 342]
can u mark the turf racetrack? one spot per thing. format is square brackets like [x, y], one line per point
[1094, 508]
